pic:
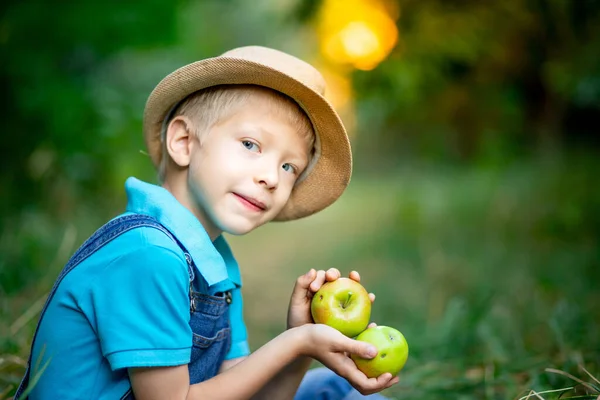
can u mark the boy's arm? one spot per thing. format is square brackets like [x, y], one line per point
[285, 384]
[238, 382]
[247, 378]
[230, 363]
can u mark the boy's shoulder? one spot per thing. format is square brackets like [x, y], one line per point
[142, 247]
[142, 256]
[134, 229]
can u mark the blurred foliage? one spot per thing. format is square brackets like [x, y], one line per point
[485, 81]
[476, 145]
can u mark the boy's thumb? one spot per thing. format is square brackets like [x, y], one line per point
[305, 280]
[365, 350]
[301, 286]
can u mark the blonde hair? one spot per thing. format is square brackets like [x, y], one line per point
[208, 107]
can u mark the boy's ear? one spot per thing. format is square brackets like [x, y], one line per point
[178, 140]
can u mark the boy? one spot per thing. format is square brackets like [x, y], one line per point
[150, 306]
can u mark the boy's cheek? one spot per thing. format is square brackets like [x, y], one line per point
[282, 202]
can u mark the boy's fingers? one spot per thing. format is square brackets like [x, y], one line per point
[362, 349]
[363, 384]
[392, 382]
[355, 276]
[332, 274]
[382, 380]
[347, 368]
[373, 385]
[318, 281]
[372, 297]
[305, 280]
[385, 378]
[372, 325]
[302, 284]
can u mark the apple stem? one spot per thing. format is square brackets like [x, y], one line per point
[347, 300]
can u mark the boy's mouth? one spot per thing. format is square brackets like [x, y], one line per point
[251, 202]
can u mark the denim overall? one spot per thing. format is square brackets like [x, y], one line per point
[209, 317]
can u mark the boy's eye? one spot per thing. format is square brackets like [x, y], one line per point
[288, 168]
[250, 145]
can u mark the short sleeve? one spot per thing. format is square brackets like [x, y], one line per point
[239, 336]
[140, 305]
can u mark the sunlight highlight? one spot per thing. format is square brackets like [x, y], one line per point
[361, 33]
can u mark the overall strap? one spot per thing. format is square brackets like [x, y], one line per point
[101, 237]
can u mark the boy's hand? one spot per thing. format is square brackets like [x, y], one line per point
[304, 290]
[331, 348]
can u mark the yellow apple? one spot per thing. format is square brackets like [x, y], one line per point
[343, 304]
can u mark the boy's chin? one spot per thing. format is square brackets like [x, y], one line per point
[239, 228]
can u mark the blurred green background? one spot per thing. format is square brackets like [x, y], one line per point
[474, 209]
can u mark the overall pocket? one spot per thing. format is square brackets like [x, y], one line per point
[211, 336]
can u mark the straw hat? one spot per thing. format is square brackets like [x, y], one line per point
[330, 170]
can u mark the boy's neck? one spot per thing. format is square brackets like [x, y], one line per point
[179, 189]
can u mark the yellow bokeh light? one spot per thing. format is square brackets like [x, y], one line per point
[361, 33]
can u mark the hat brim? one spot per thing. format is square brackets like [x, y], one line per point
[330, 173]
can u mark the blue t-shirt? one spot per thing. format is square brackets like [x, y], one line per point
[127, 305]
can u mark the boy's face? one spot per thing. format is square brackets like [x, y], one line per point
[243, 173]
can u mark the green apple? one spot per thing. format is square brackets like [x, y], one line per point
[392, 351]
[343, 304]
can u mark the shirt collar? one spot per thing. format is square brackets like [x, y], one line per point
[214, 261]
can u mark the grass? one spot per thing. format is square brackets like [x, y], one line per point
[491, 274]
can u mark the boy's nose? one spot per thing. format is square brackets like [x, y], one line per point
[268, 177]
